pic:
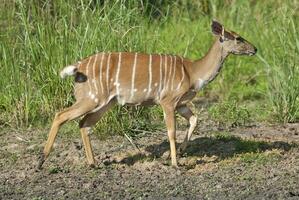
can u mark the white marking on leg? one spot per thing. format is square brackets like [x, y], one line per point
[117, 73]
[183, 74]
[193, 122]
[133, 77]
[144, 90]
[199, 84]
[107, 72]
[101, 73]
[173, 76]
[150, 76]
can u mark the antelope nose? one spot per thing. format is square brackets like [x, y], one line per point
[255, 50]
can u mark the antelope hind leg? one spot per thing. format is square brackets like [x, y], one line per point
[73, 112]
[85, 125]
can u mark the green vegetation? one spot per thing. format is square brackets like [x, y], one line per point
[260, 158]
[229, 114]
[37, 39]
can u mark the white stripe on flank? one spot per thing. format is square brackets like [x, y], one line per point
[170, 70]
[165, 73]
[107, 72]
[173, 77]
[160, 85]
[101, 73]
[88, 80]
[133, 77]
[150, 76]
[94, 74]
[117, 73]
[183, 74]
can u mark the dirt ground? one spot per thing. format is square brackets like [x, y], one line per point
[258, 162]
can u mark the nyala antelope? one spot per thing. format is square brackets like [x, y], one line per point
[104, 79]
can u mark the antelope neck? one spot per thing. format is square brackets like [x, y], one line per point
[207, 68]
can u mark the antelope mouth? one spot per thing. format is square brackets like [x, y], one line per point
[252, 53]
[249, 53]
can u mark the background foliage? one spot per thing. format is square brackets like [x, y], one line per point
[38, 38]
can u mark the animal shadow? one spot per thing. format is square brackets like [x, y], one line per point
[222, 147]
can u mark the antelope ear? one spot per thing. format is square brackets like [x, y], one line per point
[217, 28]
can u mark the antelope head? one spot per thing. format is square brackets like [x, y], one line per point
[232, 42]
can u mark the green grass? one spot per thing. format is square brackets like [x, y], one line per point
[229, 114]
[38, 39]
[261, 157]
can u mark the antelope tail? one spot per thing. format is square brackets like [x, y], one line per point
[70, 70]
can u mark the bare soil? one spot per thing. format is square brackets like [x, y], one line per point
[259, 162]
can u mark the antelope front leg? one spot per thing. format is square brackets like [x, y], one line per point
[185, 112]
[169, 118]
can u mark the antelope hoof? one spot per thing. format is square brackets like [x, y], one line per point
[174, 166]
[41, 160]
